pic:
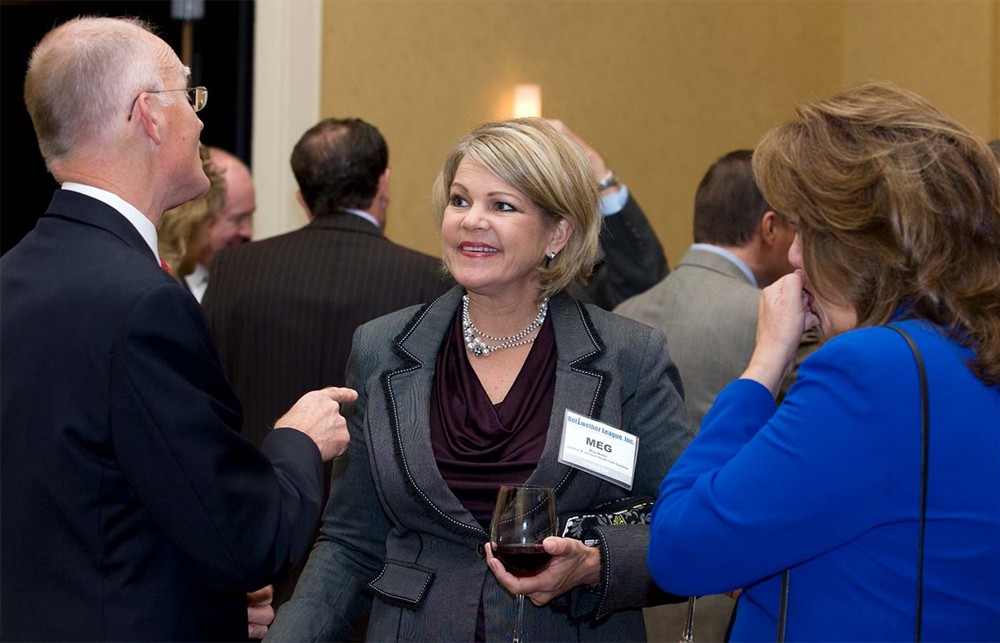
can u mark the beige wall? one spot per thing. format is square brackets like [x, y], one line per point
[661, 88]
[946, 50]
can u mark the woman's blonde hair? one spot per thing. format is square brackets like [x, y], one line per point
[183, 233]
[898, 207]
[533, 157]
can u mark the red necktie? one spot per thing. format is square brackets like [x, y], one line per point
[163, 264]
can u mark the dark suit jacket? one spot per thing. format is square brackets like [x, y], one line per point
[131, 507]
[393, 524]
[631, 262]
[283, 309]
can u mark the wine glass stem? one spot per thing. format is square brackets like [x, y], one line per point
[689, 624]
[519, 622]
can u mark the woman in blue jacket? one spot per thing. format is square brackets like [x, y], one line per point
[898, 209]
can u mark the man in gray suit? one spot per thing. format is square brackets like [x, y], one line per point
[707, 307]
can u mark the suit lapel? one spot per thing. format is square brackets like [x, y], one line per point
[408, 392]
[579, 387]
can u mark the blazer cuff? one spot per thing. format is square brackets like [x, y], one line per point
[625, 579]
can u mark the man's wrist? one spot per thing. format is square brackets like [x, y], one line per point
[608, 181]
[613, 200]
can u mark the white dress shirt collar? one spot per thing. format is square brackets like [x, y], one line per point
[138, 220]
[197, 281]
[364, 215]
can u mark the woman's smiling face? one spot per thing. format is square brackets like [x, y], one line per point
[494, 236]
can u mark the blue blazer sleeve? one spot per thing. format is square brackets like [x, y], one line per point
[761, 489]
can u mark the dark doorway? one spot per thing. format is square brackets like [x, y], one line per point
[222, 60]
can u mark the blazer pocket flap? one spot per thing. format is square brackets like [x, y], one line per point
[402, 583]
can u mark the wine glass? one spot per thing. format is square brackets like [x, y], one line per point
[524, 516]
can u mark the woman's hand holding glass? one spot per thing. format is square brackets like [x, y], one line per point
[572, 564]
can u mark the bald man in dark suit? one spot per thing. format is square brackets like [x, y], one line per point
[132, 510]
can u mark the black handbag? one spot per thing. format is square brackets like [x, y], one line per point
[925, 436]
[634, 510]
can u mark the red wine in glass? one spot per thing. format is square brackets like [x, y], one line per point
[524, 516]
[525, 559]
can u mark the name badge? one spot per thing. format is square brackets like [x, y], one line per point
[599, 449]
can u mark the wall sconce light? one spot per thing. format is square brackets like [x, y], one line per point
[527, 100]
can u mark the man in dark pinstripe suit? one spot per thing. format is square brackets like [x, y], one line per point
[283, 310]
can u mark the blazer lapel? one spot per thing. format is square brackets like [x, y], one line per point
[579, 387]
[408, 392]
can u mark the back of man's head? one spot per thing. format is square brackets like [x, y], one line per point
[82, 77]
[338, 163]
[728, 205]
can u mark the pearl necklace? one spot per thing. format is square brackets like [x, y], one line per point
[474, 337]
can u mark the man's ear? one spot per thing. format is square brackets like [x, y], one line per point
[149, 113]
[302, 202]
[382, 194]
[769, 224]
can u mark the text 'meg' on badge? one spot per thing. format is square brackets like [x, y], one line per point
[599, 449]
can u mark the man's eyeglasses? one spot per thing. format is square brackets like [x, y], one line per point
[197, 97]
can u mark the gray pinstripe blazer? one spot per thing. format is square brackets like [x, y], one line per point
[395, 537]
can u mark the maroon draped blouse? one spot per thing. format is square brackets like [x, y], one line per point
[480, 445]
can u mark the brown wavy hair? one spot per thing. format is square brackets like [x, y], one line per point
[898, 207]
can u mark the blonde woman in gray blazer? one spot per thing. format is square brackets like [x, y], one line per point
[405, 529]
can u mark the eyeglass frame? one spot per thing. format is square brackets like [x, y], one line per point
[197, 97]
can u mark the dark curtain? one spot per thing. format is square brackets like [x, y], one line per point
[222, 60]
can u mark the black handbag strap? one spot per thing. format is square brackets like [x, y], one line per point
[783, 607]
[925, 443]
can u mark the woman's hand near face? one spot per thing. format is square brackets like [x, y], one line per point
[783, 314]
[573, 564]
